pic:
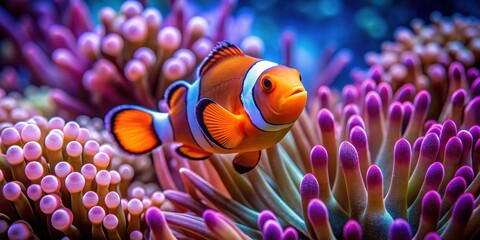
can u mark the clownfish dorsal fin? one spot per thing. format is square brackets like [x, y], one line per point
[221, 51]
[219, 125]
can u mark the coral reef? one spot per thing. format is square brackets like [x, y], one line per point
[393, 155]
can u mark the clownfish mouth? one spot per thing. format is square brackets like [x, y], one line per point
[292, 105]
[295, 98]
[297, 91]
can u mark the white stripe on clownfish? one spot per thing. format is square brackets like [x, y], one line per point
[248, 101]
[193, 94]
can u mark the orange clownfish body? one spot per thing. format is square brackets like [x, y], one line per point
[238, 104]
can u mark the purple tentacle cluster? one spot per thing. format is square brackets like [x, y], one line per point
[442, 57]
[395, 155]
[132, 56]
[56, 181]
[15, 108]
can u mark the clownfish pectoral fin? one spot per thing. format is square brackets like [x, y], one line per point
[220, 125]
[192, 153]
[175, 92]
[133, 128]
[246, 161]
[221, 51]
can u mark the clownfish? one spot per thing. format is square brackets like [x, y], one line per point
[238, 104]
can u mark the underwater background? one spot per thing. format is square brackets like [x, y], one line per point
[387, 148]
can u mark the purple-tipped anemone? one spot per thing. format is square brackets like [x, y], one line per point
[402, 151]
[326, 120]
[400, 230]
[309, 187]
[374, 177]
[352, 230]
[432, 236]
[157, 223]
[319, 156]
[374, 103]
[358, 137]
[434, 175]
[289, 234]
[317, 212]
[264, 217]
[431, 207]
[272, 230]
[414, 113]
[430, 146]
[348, 155]
[62, 219]
[463, 209]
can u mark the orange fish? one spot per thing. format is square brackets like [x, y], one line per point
[238, 104]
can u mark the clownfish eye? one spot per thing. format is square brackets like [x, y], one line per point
[267, 84]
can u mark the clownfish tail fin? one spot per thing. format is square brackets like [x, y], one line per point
[138, 130]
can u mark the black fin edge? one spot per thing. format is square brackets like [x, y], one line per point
[199, 109]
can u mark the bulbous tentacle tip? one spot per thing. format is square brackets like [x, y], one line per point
[463, 208]
[395, 112]
[309, 187]
[374, 177]
[405, 93]
[432, 236]
[358, 137]
[348, 155]
[355, 121]
[317, 212]
[352, 230]
[431, 204]
[434, 175]
[272, 230]
[20, 229]
[400, 230]
[376, 73]
[475, 88]
[289, 234]
[402, 151]
[326, 120]
[453, 148]
[62, 219]
[449, 128]
[374, 103]
[430, 146]
[455, 188]
[456, 72]
[459, 97]
[422, 101]
[467, 173]
[319, 156]
[154, 218]
[212, 219]
[264, 216]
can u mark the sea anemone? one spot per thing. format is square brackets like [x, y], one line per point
[412, 179]
[395, 171]
[395, 154]
[131, 57]
[441, 57]
[56, 181]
